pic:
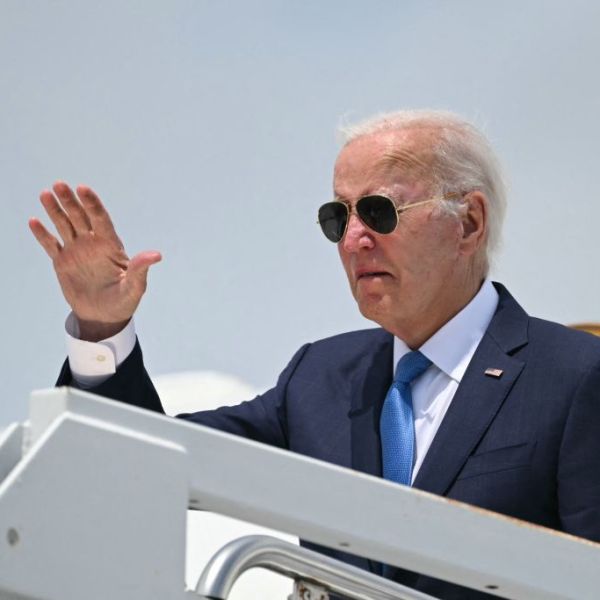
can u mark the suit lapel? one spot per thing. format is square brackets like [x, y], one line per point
[475, 404]
[368, 388]
[478, 398]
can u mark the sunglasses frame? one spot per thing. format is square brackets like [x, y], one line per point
[351, 209]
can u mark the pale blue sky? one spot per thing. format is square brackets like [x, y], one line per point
[209, 130]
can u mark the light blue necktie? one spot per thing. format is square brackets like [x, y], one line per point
[397, 426]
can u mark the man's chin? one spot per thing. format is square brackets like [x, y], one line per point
[373, 309]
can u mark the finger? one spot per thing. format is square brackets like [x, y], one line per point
[139, 265]
[97, 214]
[58, 216]
[144, 260]
[46, 240]
[73, 208]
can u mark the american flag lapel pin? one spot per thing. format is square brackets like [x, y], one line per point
[494, 372]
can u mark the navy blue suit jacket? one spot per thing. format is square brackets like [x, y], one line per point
[526, 444]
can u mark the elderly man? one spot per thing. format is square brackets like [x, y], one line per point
[458, 392]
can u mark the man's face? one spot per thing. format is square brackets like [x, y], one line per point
[409, 279]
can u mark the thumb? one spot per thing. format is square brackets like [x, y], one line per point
[138, 266]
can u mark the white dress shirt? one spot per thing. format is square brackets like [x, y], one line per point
[450, 350]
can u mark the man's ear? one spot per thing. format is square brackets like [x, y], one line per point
[474, 220]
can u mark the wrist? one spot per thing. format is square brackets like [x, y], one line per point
[96, 331]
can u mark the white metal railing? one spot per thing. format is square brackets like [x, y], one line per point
[93, 499]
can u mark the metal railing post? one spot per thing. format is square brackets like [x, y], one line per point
[224, 568]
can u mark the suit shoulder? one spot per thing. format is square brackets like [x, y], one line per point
[562, 333]
[348, 347]
[573, 345]
[361, 337]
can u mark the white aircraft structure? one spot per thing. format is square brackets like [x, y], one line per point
[95, 496]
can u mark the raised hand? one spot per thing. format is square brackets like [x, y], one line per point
[100, 282]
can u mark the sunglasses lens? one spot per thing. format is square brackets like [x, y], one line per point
[333, 217]
[378, 213]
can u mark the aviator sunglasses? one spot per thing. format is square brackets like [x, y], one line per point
[378, 213]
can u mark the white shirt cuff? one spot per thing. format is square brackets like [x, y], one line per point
[92, 363]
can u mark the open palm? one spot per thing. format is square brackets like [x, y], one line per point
[100, 282]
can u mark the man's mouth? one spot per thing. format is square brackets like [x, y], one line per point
[372, 274]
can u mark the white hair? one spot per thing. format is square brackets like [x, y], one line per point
[462, 159]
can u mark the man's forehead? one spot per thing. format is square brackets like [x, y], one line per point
[405, 154]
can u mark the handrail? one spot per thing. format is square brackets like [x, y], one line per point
[236, 557]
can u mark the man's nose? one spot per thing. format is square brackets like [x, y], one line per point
[357, 236]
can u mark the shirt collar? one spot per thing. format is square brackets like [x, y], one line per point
[452, 346]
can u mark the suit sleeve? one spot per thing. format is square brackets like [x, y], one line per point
[578, 477]
[262, 419]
